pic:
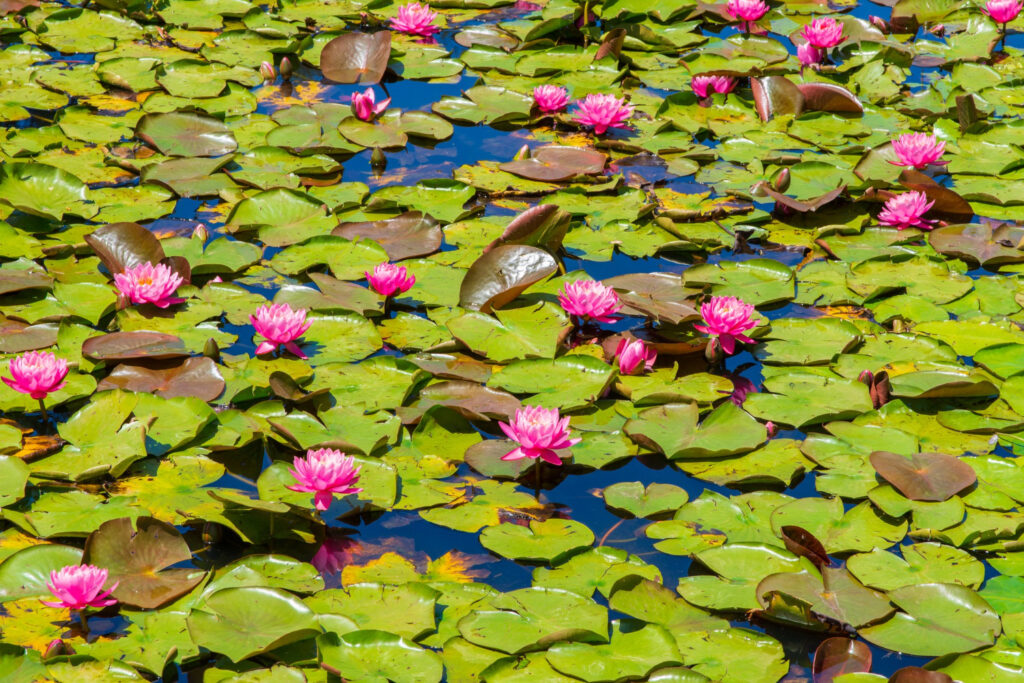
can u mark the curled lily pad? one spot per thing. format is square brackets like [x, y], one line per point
[829, 97]
[838, 656]
[774, 95]
[139, 557]
[500, 275]
[356, 57]
[197, 376]
[124, 245]
[555, 163]
[543, 225]
[924, 476]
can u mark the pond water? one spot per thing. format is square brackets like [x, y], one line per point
[836, 498]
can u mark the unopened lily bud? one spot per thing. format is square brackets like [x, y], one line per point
[522, 153]
[781, 182]
[771, 428]
[286, 68]
[879, 23]
[268, 72]
[866, 377]
[377, 158]
[201, 233]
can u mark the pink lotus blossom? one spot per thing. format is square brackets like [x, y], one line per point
[324, 472]
[36, 373]
[388, 279]
[589, 299]
[539, 432]
[703, 86]
[415, 19]
[726, 319]
[147, 283]
[906, 211]
[78, 586]
[602, 112]
[809, 55]
[748, 11]
[823, 33]
[364, 104]
[634, 354]
[1003, 11]
[550, 98]
[917, 150]
[279, 324]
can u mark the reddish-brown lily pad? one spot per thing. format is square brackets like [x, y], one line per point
[554, 163]
[500, 275]
[139, 558]
[17, 337]
[198, 377]
[356, 57]
[838, 656]
[924, 476]
[405, 236]
[134, 345]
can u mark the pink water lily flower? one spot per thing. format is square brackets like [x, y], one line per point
[726, 318]
[823, 33]
[633, 355]
[279, 324]
[703, 86]
[78, 586]
[809, 55]
[1003, 11]
[364, 105]
[324, 472]
[36, 373]
[550, 98]
[589, 299]
[539, 432]
[906, 210]
[602, 112]
[748, 11]
[388, 279]
[149, 283]
[415, 19]
[917, 150]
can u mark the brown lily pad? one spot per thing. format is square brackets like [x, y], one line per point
[924, 476]
[775, 95]
[978, 243]
[500, 275]
[838, 656]
[543, 225]
[657, 295]
[17, 337]
[356, 57]
[139, 560]
[20, 280]
[829, 97]
[405, 236]
[800, 541]
[949, 205]
[197, 376]
[473, 401]
[134, 345]
[555, 163]
[123, 245]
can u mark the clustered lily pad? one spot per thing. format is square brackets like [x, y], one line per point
[663, 341]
